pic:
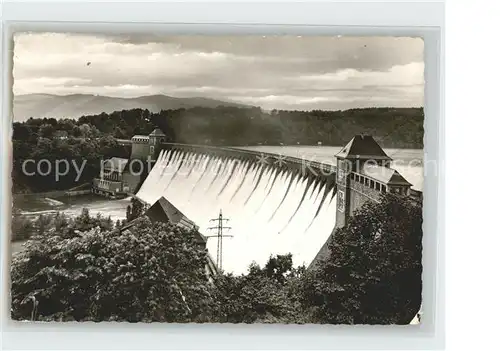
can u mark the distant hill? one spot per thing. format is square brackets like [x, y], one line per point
[77, 105]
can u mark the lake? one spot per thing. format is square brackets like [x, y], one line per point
[408, 162]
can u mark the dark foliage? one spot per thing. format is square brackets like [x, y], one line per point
[135, 209]
[154, 272]
[263, 295]
[87, 269]
[82, 146]
[92, 138]
[22, 228]
[373, 273]
[226, 125]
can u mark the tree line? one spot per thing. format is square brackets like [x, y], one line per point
[88, 269]
[236, 126]
[48, 154]
[93, 138]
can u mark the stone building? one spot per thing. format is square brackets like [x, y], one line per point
[363, 173]
[121, 177]
[144, 146]
[110, 182]
[145, 149]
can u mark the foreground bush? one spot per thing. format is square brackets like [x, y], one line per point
[24, 227]
[154, 272]
[86, 269]
[262, 295]
[373, 274]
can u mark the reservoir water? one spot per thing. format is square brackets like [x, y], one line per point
[408, 162]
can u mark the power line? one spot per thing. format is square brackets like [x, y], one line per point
[220, 234]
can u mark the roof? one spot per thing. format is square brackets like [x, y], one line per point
[157, 132]
[115, 164]
[211, 266]
[384, 175]
[363, 147]
[164, 211]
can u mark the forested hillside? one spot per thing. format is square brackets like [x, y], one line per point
[91, 138]
[393, 127]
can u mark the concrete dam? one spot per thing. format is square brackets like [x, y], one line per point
[274, 205]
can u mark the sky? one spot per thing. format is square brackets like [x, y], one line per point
[273, 72]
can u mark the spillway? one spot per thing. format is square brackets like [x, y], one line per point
[270, 210]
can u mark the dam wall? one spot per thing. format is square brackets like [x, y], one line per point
[275, 205]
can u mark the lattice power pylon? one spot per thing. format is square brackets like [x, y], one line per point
[220, 234]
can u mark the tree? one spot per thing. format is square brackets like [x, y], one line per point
[20, 131]
[91, 137]
[85, 222]
[118, 224]
[135, 209]
[128, 214]
[46, 131]
[150, 272]
[373, 272]
[42, 223]
[263, 295]
[22, 228]
[88, 131]
[278, 267]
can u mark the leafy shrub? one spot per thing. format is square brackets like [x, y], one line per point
[373, 272]
[152, 272]
[263, 295]
[22, 228]
[87, 269]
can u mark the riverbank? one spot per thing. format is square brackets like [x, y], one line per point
[39, 204]
[82, 189]
[16, 246]
[73, 205]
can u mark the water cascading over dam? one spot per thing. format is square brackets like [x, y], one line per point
[272, 209]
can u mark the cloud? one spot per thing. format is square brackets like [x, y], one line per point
[343, 52]
[407, 75]
[274, 71]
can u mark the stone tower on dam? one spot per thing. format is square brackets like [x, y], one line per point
[363, 173]
[144, 146]
[145, 149]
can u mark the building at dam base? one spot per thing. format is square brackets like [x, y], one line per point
[121, 177]
[110, 181]
[276, 205]
[162, 211]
